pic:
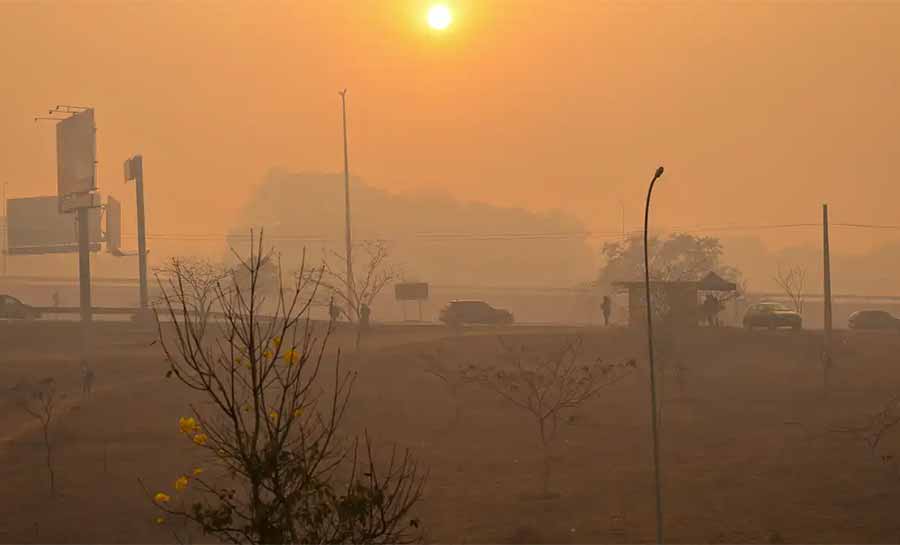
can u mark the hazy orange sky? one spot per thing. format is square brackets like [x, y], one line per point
[759, 111]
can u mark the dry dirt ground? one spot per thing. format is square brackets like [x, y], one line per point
[745, 443]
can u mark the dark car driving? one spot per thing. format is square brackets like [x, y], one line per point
[474, 312]
[13, 309]
[772, 316]
[873, 319]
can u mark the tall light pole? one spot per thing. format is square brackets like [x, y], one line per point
[350, 296]
[654, 426]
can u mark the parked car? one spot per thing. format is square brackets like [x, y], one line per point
[772, 316]
[13, 309]
[474, 312]
[873, 319]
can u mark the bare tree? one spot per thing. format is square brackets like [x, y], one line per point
[195, 279]
[372, 274]
[544, 385]
[40, 402]
[792, 282]
[279, 473]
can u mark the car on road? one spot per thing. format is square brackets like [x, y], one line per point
[474, 312]
[873, 319]
[13, 309]
[772, 316]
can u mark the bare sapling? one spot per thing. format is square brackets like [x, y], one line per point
[546, 384]
[194, 280]
[792, 282]
[874, 430]
[355, 295]
[41, 401]
[277, 470]
[453, 377]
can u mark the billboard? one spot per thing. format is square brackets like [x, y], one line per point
[113, 225]
[75, 156]
[411, 291]
[36, 226]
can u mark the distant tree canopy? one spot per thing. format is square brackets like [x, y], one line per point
[434, 238]
[678, 257]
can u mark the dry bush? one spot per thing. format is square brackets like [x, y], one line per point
[546, 384]
[278, 470]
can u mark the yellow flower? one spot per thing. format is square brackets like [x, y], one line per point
[267, 354]
[200, 439]
[291, 356]
[238, 360]
[273, 415]
[161, 497]
[276, 341]
[197, 471]
[159, 520]
[188, 425]
[181, 483]
[298, 413]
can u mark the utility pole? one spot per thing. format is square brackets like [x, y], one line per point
[827, 285]
[350, 288]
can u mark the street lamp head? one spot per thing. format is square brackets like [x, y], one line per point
[659, 172]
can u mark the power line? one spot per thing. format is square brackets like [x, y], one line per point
[512, 236]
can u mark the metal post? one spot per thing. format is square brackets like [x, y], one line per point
[84, 273]
[350, 296]
[142, 237]
[654, 425]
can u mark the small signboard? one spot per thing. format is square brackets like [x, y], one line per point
[411, 291]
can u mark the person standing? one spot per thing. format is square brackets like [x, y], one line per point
[333, 311]
[606, 307]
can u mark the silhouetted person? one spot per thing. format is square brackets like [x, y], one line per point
[334, 311]
[87, 379]
[711, 308]
[363, 324]
[606, 307]
[364, 317]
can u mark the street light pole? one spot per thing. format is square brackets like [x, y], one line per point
[654, 425]
[349, 249]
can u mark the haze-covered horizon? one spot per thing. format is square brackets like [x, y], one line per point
[760, 112]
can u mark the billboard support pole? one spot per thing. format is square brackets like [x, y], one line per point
[142, 236]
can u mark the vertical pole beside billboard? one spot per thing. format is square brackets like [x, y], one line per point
[134, 170]
[76, 189]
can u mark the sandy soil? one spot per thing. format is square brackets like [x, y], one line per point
[744, 444]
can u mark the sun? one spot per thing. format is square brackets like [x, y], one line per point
[439, 17]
